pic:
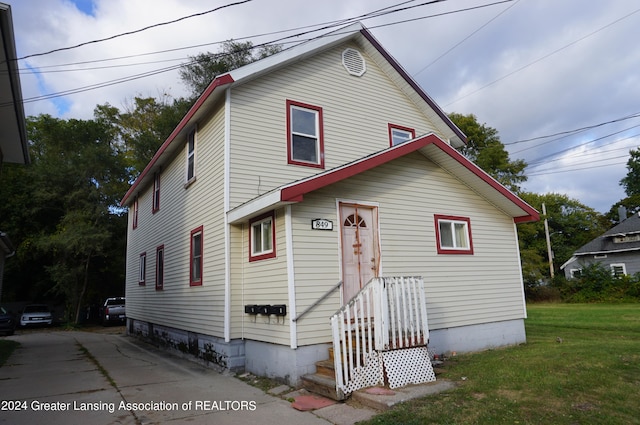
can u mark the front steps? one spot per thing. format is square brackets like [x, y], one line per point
[323, 382]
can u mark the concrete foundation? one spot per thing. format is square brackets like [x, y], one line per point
[477, 337]
[288, 365]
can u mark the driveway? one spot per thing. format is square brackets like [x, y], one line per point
[60, 377]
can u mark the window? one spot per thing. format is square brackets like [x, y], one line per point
[142, 272]
[618, 269]
[191, 155]
[398, 134]
[159, 268]
[305, 145]
[576, 273]
[195, 269]
[156, 192]
[453, 235]
[135, 212]
[262, 235]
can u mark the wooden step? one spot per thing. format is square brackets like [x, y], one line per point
[326, 368]
[322, 385]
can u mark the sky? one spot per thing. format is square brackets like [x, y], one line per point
[558, 79]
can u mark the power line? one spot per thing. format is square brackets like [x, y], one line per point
[568, 171]
[539, 160]
[465, 39]
[570, 132]
[543, 57]
[136, 31]
[380, 12]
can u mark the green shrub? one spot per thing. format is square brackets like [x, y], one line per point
[597, 284]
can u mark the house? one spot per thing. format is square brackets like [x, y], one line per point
[13, 132]
[618, 249]
[292, 183]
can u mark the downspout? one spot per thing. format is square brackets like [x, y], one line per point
[293, 326]
[524, 300]
[227, 230]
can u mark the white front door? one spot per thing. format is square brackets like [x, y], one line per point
[360, 248]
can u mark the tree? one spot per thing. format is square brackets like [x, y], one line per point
[571, 225]
[71, 231]
[485, 149]
[204, 67]
[631, 185]
[631, 182]
[143, 126]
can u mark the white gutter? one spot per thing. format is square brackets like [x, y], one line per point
[288, 228]
[227, 230]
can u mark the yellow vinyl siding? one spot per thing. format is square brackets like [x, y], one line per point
[461, 289]
[182, 209]
[260, 282]
[356, 113]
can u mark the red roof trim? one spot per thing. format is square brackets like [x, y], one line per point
[533, 215]
[296, 191]
[217, 82]
[413, 84]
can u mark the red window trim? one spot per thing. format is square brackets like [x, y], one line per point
[136, 208]
[441, 250]
[318, 109]
[160, 282]
[399, 127]
[271, 254]
[193, 282]
[142, 282]
[155, 201]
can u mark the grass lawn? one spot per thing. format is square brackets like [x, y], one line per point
[580, 365]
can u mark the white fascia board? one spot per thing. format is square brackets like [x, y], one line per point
[254, 69]
[244, 211]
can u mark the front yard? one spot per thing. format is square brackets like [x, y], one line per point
[580, 365]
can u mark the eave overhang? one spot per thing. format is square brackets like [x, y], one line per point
[429, 145]
[354, 32]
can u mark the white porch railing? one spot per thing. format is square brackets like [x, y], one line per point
[389, 313]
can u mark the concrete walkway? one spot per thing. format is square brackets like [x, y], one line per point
[53, 381]
[60, 377]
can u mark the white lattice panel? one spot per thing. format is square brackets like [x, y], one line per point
[408, 366]
[366, 376]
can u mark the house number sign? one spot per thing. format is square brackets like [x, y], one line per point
[321, 224]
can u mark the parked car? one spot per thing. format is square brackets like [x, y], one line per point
[7, 322]
[36, 314]
[113, 311]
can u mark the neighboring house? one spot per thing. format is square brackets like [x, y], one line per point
[618, 248]
[13, 133]
[324, 163]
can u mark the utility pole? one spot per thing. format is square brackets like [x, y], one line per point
[546, 234]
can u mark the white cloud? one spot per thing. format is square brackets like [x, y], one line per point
[588, 81]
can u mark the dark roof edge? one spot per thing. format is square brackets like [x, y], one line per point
[414, 85]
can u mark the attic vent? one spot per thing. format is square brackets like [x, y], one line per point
[353, 62]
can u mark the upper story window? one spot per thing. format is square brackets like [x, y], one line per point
[453, 235]
[191, 155]
[305, 135]
[134, 221]
[156, 192]
[399, 134]
[618, 269]
[142, 270]
[262, 237]
[159, 268]
[196, 258]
